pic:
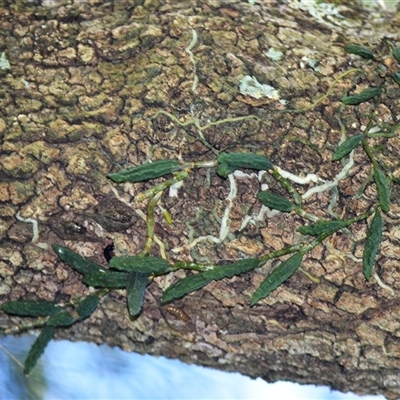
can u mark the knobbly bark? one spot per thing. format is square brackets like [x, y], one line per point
[79, 100]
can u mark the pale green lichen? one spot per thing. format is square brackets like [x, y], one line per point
[324, 13]
[249, 86]
[274, 54]
[4, 63]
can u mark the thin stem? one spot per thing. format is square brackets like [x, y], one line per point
[180, 176]
[287, 185]
[150, 224]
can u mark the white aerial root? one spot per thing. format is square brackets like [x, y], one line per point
[224, 229]
[297, 179]
[330, 184]
[35, 227]
[223, 233]
[188, 50]
[381, 284]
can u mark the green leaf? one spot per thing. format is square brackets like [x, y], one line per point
[382, 184]
[396, 77]
[87, 306]
[230, 162]
[63, 318]
[365, 95]
[76, 261]
[184, 286]
[279, 275]
[30, 308]
[275, 202]
[359, 51]
[197, 281]
[396, 53]
[322, 227]
[372, 243]
[135, 291]
[37, 348]
[145, 265]
[146, 172]
[106, 279]
[230, 270]
[347, 146]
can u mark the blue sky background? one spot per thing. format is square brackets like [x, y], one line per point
[86, 371]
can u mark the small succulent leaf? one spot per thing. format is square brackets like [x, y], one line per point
[361, 97]
[230, 270]
[167, 216]
[275, 202]
[359, 51]
[396, 53]
[30, 308]
[279, 275]
[63, 318]
[383, 187]
[135, 291]
[372, 243]
[322, 227]
[81, 264]
[142, 264]
[184, 286]
[347, 146]
[106, 279]
[87, 306]
[38, 348]
[230, 162]
[146, 172]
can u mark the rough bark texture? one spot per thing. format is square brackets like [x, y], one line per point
[85, 80]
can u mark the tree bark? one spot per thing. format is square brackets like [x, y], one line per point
[81, 99]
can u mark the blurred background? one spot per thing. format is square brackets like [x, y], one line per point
[80, 371]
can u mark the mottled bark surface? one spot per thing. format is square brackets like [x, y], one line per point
[78, 101]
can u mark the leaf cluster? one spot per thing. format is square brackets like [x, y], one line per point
[385, 72]
[135, 273]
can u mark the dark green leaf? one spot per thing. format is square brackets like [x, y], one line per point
[396, 77]
[184, 286]
[275, 202]
[322, 227]
[359, 51]
[395, 180]
[230, 270]
[87, 306]
[106, 279]
[396, 53]
[347, 146]
[30, 308]
[63, 318]
[37, 348]
[135, 290]
[145, 265]
[279, 275]
[76, 261]
[146, 172]
[382, 184]
[365, 95]
[230, 162]
[374, 237]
